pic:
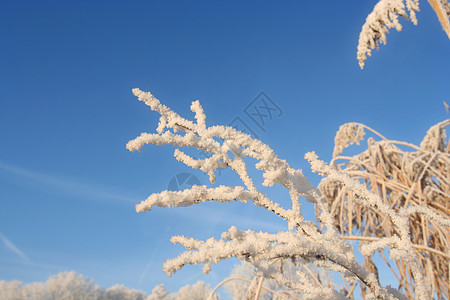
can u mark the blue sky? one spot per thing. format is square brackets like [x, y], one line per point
[68, 186]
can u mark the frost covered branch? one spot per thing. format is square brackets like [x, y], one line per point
[236, 146]
[305, 242]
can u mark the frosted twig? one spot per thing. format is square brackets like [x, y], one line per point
[303, 242]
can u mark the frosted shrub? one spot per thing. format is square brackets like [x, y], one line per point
[305, 242]
[120, 292]
[71, 286]
[12, 290]
[199, 290]
[67, 286]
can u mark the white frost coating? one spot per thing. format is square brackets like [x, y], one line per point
[253, 247]
[194, 195]
[371, 248]
[348, 134]
[432, 215]
[199, 114]
[383, 17]
[236, 142]
[304, 242]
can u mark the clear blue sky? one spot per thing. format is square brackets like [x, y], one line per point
[68, 186]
